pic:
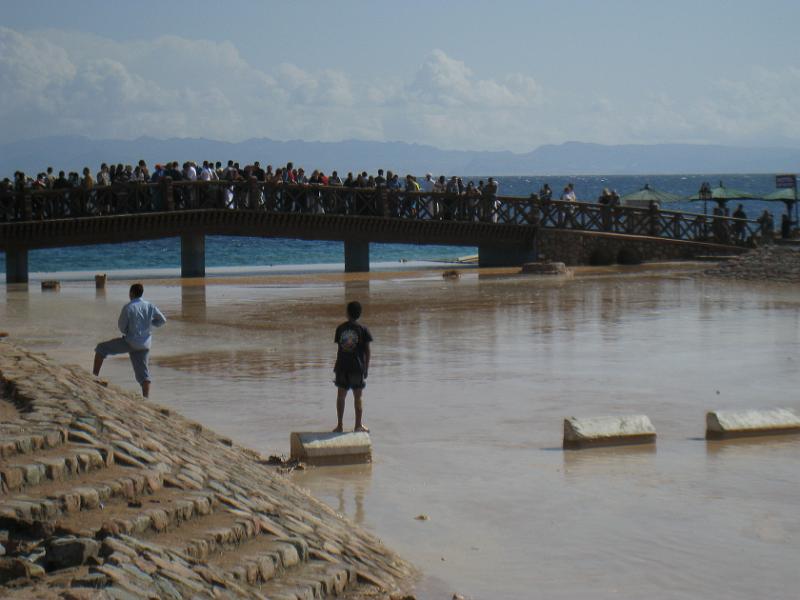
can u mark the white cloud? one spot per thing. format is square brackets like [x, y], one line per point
[448, 82]
[762, 107]
[60, 82]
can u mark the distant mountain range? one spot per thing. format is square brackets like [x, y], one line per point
[72, 153]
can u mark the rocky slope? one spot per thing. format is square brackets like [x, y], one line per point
[779, 263]
[105, 495]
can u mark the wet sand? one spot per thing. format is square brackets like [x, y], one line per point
[470, 382]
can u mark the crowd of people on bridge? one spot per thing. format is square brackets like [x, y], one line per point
[110, 175]
[480, 199]
[119, 177]
[232, 172]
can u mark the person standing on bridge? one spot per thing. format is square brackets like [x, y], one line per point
[740, 227]
[135, 321]
[352, 364]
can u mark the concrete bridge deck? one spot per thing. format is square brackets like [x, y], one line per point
[507, 230]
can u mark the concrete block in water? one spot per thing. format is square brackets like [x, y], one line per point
[331, 448]
[545, 268]
[722, 424]
[608, 431]
[100, 281]
[51, 284]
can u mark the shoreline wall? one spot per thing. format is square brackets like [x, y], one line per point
[588, 248]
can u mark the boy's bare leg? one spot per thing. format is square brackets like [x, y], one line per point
[146, 389]
[98, 362]
[359, 410]
[341, 394]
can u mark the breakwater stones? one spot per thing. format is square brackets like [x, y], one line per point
[768, 263]
[545, 268]
[51, 285]
[608, 431]
[724, 424]
[103, 495]
[322, 449]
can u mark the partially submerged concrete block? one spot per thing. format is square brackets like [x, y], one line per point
[100, 281]
[723, 424]
[331, 448]
[608, 431]
[545, 268]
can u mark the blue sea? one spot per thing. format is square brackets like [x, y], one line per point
[240, 254]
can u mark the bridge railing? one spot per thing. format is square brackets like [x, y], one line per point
[166, 196]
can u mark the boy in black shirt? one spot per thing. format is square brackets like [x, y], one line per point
[352, 363]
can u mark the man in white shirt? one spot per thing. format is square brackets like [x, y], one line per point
[205, 173]
[427, 186]
[135, 321]
[569, 193]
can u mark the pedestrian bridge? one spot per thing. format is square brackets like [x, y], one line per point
[507, 230]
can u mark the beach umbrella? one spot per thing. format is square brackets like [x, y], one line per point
[782, 195]
[786, 195]
[646, 195]
[722, 194]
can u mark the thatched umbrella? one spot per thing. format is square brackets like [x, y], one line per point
[721, 195]
[646, 195]
[786, 195]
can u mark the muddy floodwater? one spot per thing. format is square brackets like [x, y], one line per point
[466, 396]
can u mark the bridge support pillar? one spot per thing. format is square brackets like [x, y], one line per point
[193, 255]
[356, 257]
[505, 255]
[17, 265]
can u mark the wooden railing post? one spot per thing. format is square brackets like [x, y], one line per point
[252, 196]
[653, 229]
[167, 193]
[383, 202]
[269, 197]
[26, 202]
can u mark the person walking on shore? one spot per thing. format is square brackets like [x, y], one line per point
[135, 321]
[352, 364]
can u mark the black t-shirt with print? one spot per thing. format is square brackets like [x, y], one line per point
[352, 339]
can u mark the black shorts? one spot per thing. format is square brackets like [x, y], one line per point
[350, 380]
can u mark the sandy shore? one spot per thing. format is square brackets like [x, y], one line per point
[664, 268]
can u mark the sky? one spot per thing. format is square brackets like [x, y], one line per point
[500, 75]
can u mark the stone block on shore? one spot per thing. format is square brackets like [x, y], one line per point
[545, 268]
[722, 424]
[70, 552]
[315, 448]
[51, 285]
[608, 431]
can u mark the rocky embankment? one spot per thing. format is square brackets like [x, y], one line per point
[768, 263]
[105, 495]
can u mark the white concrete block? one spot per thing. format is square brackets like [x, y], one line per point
[741, 423]
[329, 448]
[545, 268]
[608, 431]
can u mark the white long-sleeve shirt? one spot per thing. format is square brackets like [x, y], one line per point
[135, 321]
